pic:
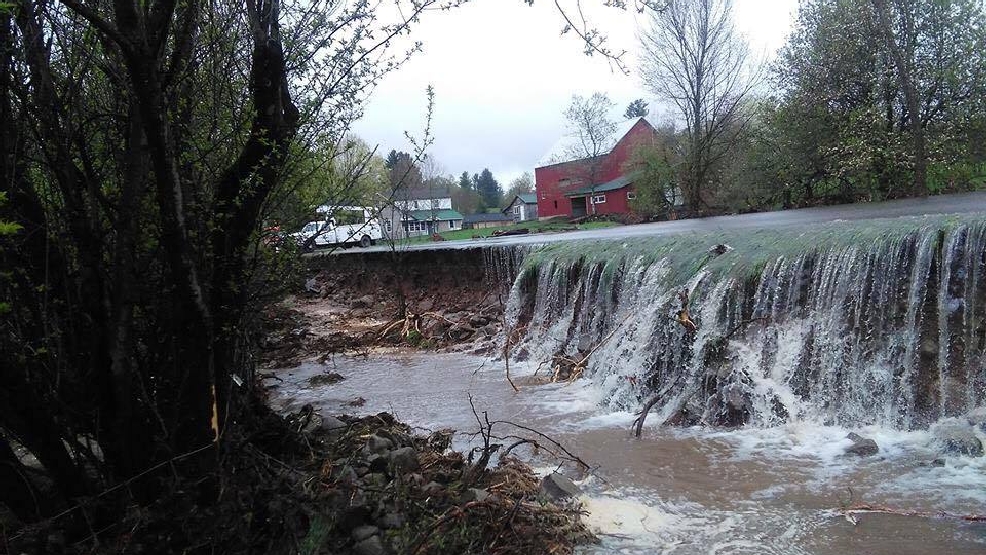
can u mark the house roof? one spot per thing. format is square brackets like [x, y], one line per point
[421, 194]
[497, 217]
[614, 185]
[567, 148]
[526, 198]
[425, 215]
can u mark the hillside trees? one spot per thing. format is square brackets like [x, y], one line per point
[141, 149]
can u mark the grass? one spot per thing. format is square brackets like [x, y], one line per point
[544, 226]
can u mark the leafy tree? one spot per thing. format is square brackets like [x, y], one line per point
[636, 109]
[845, 107]
[654, 166]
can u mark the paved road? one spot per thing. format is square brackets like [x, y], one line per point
[945, 204]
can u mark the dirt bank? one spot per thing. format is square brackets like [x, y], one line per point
[352, 304]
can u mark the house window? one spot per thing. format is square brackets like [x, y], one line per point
[388, 226]
[414, 226]
[631, 195]
[598, 199]
[451, 224]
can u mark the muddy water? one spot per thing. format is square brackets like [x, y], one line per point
[684, 491]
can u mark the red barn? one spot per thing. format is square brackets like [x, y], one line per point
[600, 185]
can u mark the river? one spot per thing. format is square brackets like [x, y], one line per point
[755, 489]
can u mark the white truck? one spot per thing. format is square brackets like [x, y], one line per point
[340, 225]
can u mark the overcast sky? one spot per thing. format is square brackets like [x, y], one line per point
[502, 75]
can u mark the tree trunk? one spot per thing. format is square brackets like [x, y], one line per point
[911, 99]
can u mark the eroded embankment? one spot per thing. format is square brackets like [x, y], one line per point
[356, 302]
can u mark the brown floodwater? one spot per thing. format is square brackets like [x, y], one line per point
[682, 491]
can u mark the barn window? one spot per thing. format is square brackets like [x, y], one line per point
[598, 199]
[631, 195]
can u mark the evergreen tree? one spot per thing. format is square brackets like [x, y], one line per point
[465, 183]
[488, 188]
[636, 109]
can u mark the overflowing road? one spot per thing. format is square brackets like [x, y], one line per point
[945, 204]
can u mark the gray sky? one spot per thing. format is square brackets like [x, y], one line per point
[502, 76]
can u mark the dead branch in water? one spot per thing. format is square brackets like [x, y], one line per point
[553, 448]
[578, 367]
[638, 424]
[506, 344]
[851, 513]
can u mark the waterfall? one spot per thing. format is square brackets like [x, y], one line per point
[847, 323]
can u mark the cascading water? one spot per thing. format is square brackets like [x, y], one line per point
[880, 322]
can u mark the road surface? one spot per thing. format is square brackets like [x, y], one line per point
[945, 204]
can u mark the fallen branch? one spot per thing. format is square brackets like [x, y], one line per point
[638, 424]
[850, 513]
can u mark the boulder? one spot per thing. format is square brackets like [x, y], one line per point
[861, 446]
[426, 305]
[474, 494]
[557, 486]
[404, 460]
[366, 301]
[333, 426]
[955, 436]
[376, 445]
[478, 321]
[370, 546]
[393, 521]
[360, 533]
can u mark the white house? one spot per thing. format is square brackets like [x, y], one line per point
[415, 213]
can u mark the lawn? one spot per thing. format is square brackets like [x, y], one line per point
[546, 226]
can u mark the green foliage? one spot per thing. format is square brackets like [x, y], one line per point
[636, 109]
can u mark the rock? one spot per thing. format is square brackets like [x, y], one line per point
[392, 521]
[474, 494]
[436, 330]
[370, 546]
[426, 305]
[861, 446]
[490, 330]
[378, 463]
[377, 445]
[347, 475]
[432, 487]
[360, 533]
[478, 321]
[557, 486]
[954, 436]
[333, 426]
[404, 460]
[458, 332]
[376, 480]
[366, 301]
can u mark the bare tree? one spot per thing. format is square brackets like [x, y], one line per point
[694, 59]
[592, 128]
